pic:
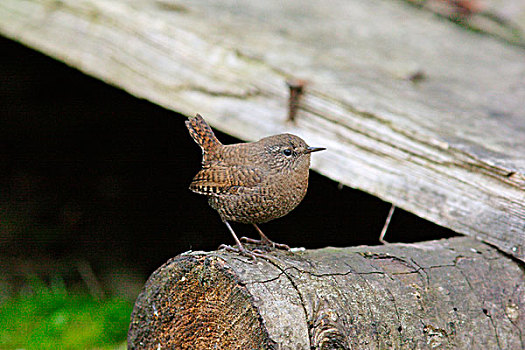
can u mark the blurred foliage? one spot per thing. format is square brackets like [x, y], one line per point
[48, 317]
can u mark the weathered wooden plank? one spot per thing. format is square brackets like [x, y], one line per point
[449, 148]
[447, 294]
[503, 19]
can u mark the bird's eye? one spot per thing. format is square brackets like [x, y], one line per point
[287, 152]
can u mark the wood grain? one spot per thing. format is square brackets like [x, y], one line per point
[448, 294]
[448, 146]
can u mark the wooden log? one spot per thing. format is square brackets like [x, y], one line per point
[456, 293]
[411, 108]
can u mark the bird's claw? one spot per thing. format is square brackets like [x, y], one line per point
[252, 254]
[267, 243]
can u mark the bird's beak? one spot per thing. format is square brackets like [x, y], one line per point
[314, 149]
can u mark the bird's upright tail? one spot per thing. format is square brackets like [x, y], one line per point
[202, 133]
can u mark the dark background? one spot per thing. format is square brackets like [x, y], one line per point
[90, 174]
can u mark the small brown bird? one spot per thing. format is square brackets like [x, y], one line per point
[253, 182]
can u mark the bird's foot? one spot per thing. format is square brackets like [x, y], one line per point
[252, 254]
[266, 243]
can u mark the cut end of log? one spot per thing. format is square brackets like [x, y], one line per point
[202, 303]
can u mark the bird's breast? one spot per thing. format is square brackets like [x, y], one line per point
[273, 198]
[288, 187]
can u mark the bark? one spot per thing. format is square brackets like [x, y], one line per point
[456, 293]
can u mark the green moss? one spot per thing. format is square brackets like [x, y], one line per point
[50, 318]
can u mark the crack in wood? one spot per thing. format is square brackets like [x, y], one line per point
[475, 163]
[369, 307]
[481, 302]
[299, 294]
[247, 94]
[394, 302]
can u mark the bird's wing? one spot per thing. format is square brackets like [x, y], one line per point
[232, 179]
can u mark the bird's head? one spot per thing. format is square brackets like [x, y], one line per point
[287, 153]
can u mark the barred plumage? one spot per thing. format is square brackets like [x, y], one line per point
[252, 182]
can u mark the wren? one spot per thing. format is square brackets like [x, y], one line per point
[251, 183]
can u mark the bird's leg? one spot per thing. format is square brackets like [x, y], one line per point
[264, 240]
[240, 248]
